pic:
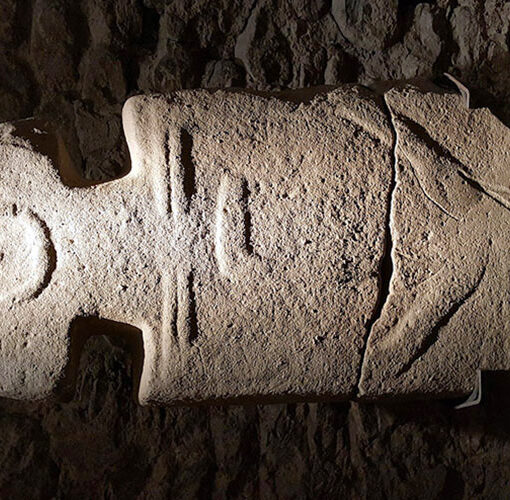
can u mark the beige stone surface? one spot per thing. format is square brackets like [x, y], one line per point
[334, 243]
[446, 312]
[244, 244]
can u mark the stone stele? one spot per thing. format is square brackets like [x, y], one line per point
[335, 244]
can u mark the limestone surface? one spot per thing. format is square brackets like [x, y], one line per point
[332, 243]
[446, 310]
[244, 245]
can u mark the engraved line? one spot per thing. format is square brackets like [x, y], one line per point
[437, 204]
[192, 311]
[464, 171]
[245, 201]
[169, 317]
[160, 182]
[51, 255]
[488, 190]
[187, 324]
[188, 166]
[429, 340]
[167, 176]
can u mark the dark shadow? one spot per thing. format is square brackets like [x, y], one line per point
[479, 98]
[81, 330]
[44, 138]
[495, 403]
[188, 166]
[192, 318]
[491, 416]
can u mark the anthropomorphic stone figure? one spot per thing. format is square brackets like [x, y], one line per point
[244, 245]
[300, 246]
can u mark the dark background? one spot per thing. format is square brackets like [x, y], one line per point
[75, 62]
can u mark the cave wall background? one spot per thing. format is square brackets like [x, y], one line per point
[75, 62]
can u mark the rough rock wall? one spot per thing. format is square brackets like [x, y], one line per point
[75, 62]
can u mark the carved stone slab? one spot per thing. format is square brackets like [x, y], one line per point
[244, 244]
[447, 310]
[333, 246]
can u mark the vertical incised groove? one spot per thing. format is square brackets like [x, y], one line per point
[192, 311]
[219, 244]
[188, 166]
[174, 318]
[187, 324]
[51, 255]
[166, 167]
[233, 240]
[245, 200]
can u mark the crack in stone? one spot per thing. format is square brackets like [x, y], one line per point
[386, 267]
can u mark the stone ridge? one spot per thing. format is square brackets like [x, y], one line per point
[325, 246]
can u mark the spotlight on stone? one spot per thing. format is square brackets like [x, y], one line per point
[335, 244]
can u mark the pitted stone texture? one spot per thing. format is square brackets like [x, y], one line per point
[447, 311]
[66, 252]
[245, 245]
[274, 240]
[260, 243]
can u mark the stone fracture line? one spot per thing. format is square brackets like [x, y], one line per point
[265, 248]
[386, 267]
